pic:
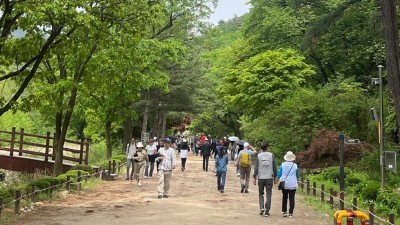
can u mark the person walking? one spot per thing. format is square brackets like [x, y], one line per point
[244, 164]
[221, 162]
[289, 174]
[184, 153]
[130, 151]
[140, 162]
[265, 171]
[206, 153]
[151, 151]
[167, 160]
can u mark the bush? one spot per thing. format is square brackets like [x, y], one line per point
[83, 167]
[333, 173]
[40, 184]
[7, 194]
[370, 191]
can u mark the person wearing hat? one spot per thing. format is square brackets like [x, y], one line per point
[184, 153]
[243, 162]
[289, 174]
[167, 160]
[265, 171]
[141, 159]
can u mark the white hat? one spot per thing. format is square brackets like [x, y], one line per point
[289, 156]
[139, 145]
[184, 140]
[154, 138]
[245, 145]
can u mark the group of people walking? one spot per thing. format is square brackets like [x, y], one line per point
[266, 173]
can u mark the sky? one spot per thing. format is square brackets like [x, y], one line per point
[227, 9]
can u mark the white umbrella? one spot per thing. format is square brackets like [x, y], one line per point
[233, 138]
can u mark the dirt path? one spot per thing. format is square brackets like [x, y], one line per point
[194, 199]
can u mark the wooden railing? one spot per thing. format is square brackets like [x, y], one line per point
[17, 144]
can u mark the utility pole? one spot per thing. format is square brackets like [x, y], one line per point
[381, 128]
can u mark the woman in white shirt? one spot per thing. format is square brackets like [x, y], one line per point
[151, 150]
[184, 152]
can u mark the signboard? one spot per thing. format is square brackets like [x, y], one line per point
[391, 160]
[144, 137]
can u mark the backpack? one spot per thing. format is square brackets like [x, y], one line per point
[245, 159]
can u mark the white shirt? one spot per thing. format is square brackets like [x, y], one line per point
[169, 158]
[184, 153]
[130, 150]
[150, 149]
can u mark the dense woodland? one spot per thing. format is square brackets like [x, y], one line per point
[107, 70]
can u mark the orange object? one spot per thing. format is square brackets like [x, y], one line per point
[350, 214]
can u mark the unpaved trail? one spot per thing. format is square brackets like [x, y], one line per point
[194, 199]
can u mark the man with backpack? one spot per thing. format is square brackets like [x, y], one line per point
[265, 171]
[244, 164]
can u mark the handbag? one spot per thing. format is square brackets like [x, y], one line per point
[281, 185]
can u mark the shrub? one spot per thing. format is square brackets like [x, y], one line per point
[370, 191]
[40, 184]
[83, 167]
[333, 173]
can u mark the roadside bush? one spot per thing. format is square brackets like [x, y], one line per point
[391, 200]
[83, 167]
[370, 191]
[40, 184]
[333, 173]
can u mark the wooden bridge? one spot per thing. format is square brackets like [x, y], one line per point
[20, 151]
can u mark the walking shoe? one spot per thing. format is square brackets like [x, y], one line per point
[139, 184]
[238, 174]
[290, 215]
[266, 214]
[246, 191]
[145, 177]
[222, 191]
[285, 214]
[182, 169]
[262, 211]
[242, 190]
[150, 177]
[165, 196]
[159, 196]
[127, 178]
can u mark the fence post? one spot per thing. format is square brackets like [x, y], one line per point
[322, 192]
[87, 152]
[1, 205]
[53, 155]
[68, 183]
[302, 184]
[331, 197]
[109, 167]
[50, 191]
[355, 203]
[391, 218]
[371, 212]
[46, 157]
[81, 152]
[21, 141]
[341, 205]
[314, 186]
[113, 167]
[33, 193]
[96, 170]
[308, 187]
[17, 202]
[12, 142]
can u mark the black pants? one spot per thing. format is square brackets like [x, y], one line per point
[183, 160]
[291, 194]
[205, 162]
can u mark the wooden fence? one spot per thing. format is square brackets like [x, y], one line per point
[18, 142]
[340, 202]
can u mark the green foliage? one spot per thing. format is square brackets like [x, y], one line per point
[370, 191]
[333, 173]
[83, 167]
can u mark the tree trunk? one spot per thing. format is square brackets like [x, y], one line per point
[164, 123]
[107, 132]
[127, 133]
[145, 118]
[390, 24]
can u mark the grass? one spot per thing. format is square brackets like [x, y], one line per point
[7, 215]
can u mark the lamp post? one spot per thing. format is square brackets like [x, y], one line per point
[381, 128]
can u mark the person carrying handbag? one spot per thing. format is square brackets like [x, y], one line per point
[289, 174]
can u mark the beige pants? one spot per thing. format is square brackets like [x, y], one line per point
[139, 170]
[164, 180]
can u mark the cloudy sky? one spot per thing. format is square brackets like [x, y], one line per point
[227, 9]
